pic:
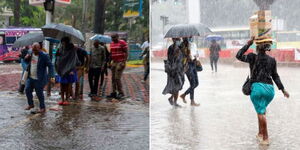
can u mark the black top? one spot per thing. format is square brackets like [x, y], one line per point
[214, 50]
[81, 54]
[24, 52]
[265, 67]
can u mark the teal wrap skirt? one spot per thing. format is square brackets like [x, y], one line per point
[261, 96]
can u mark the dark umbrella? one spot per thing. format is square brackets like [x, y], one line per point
[28, 39]
[187, 30]
[59, 31]
[202, 29]
[182, 30]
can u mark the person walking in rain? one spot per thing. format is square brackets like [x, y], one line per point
[107, 60]
[174, 68]
[96, 66]
[191, 71]
[146, 63]
[24, 65]
[38, 76]
[119, 54]
[84, 59]
[214, 55]
[263, 70]
[66, 62]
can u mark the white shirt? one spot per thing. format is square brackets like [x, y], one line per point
[33, 67]
[145, 45]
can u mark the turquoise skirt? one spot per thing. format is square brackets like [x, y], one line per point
[261, 96]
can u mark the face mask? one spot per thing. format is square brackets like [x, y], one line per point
[177, 43]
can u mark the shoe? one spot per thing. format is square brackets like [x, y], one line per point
[43, 110]
[60, 103]
[66, 103]
[96, 98]
[90, 94]
[112, 95]
[120, 95]
[29, 107]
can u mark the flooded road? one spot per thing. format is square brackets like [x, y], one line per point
[226, 118]
[84, 125]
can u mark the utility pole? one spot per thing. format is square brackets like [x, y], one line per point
[99, 16]
[49, 8]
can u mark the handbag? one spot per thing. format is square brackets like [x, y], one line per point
[246, 89]
[198, 65]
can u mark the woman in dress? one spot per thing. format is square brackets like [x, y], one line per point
[175, 70]
[66, 63]
[263, 70]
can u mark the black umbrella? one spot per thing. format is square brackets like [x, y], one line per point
[59, 31]
[187, 30]
[202, 29]
[28, 39]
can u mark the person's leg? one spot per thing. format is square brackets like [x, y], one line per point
[96, 80]
[175, 99]
[216, 63]
[102, 74]
[39, 92]
[194, 85]
[188, 91]
[68, 91]
[29, 90]
[211, 63]
[264, 127]
[62, 91]
[147, 70]
[260, 131]
[119, 74]
[171, 100]
[113, 81]
[91, 80]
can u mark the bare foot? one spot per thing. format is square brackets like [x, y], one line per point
[183, 98]
[195, 104]
[265, 142]
[259, 137]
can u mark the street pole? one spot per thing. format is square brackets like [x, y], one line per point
[49, 8]
[48, 21]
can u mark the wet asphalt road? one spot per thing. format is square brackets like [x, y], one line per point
[226, 118]
[84, 125]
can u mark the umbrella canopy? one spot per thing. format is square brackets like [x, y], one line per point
[101, 38]
[182, 30]
[202, 29]
[28, 39]
[59, 31]
[214, 37]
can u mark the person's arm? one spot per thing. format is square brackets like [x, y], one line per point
[277, 80]
[104, 58]
[241, 53]
[50, 68]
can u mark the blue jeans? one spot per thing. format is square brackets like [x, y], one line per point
[193, 79]
[38, 87]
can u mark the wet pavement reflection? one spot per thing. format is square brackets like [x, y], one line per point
[84, 125]
[226, 118]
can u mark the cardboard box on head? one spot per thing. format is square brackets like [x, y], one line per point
[261, 24]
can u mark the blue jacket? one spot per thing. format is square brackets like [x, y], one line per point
[43, 62]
